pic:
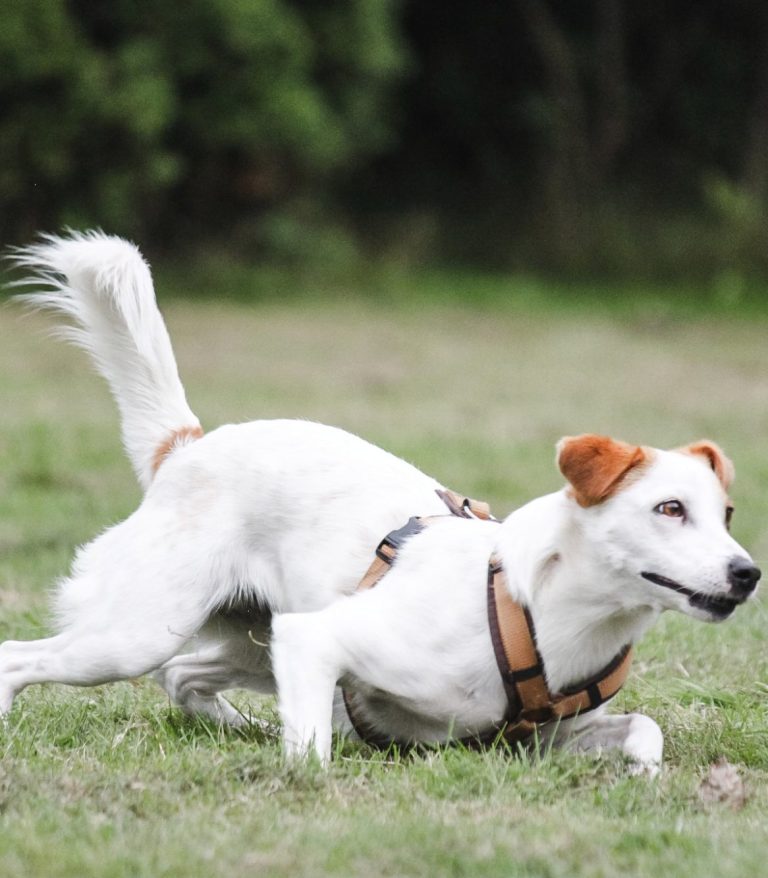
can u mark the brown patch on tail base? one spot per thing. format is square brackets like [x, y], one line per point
[596, 466]
[717, 460]
[182, 436]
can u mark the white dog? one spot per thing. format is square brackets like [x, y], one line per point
[282, 517]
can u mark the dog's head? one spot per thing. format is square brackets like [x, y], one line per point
[659, 522]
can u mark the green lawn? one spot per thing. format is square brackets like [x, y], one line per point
[114, 782]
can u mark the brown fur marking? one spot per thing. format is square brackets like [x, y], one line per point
[597, 466]
[182, 436]
[721, 464]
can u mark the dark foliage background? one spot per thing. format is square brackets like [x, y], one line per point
[599, 137]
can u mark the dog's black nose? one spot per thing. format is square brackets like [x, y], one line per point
[743, 576]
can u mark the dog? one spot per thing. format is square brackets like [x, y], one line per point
[635, 532]
[240, 566]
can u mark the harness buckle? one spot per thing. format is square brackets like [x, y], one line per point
[392, 542]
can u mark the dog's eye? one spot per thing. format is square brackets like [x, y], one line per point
[728, 516]
[671, 508]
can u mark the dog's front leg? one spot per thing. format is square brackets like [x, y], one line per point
[637, 736]
[305, 665]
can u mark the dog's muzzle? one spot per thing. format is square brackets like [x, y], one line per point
[742, 576]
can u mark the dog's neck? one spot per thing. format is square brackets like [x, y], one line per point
[575, 601]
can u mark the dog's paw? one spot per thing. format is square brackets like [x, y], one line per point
[646, 769]
[644, 745]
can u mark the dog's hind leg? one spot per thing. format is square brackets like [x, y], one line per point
[82, 656]
[128, 607]
[133, 643]
[231, 651]
[194, 682]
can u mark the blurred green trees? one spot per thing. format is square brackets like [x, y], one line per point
[607, 135]
[599, 136]
[167, 118]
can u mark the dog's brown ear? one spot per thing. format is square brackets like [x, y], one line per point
[715, 457]
[595, 466]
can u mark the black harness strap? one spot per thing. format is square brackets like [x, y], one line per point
[365, 731]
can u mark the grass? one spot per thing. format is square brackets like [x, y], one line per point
[114, 782]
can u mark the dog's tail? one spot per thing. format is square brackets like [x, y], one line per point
[104, 286]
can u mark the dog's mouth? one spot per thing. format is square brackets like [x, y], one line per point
[718, 606]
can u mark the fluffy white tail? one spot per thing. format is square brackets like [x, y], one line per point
[104, 286]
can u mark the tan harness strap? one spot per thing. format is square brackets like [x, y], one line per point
[510, 632]
[591, 693]
[374, 573]
[522, 670]
[465, 507]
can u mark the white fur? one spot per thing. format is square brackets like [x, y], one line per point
[282, 517]
[103, 284]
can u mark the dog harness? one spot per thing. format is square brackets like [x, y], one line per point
[530, 703]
